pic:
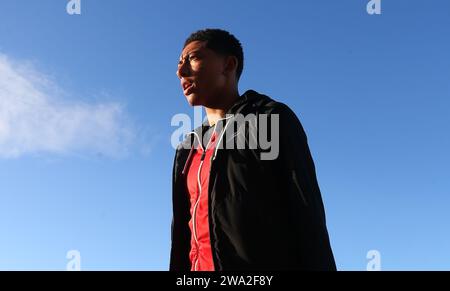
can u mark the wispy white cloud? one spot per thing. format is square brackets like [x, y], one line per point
[36, 116]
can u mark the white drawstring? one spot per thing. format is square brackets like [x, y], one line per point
[194, 212]
[221, 136]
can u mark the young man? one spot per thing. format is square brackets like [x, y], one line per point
[233, 207]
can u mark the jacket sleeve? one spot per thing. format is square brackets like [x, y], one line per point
[180, 232]
[298, 178]
[295, 162]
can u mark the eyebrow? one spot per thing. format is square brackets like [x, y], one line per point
[189, 53]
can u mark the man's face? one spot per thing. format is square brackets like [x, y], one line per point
[201, 72]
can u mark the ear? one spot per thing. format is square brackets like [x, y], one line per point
[230, 66]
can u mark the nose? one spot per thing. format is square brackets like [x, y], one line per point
[183, 70]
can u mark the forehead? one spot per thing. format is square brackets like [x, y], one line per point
[194, 46]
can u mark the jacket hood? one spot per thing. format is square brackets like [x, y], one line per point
[250, 100]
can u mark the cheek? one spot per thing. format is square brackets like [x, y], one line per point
[208, 71]
[212, 77]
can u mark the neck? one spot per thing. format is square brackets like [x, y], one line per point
[219, 111]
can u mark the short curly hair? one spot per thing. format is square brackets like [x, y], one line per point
[222, 42]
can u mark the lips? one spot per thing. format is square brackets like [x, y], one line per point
[187, 87]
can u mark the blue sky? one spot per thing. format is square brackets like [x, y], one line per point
[86, 103]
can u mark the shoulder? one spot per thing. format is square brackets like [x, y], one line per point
[267, 105]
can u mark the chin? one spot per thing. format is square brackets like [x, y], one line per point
[193, 100]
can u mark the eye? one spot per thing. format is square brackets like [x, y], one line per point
[192, 57]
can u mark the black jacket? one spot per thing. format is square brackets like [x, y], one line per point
[263, 214]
